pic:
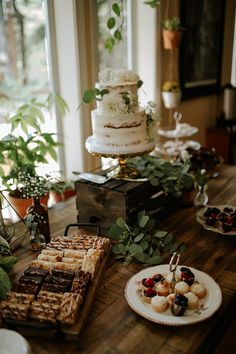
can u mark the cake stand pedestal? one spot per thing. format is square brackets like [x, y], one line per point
[122, 170]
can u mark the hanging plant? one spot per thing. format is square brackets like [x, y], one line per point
[115, 25]
[172, 33]
[171, 94]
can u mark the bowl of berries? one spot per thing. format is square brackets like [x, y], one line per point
[220, 219]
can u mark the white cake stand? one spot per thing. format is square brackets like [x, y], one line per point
[122, 171]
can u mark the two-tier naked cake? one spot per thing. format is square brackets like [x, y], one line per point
[119, 124]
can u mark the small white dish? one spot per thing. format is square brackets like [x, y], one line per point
[13, 343]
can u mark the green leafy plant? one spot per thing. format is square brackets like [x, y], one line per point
[173, 178]
[26, 151]
[142, 241]
[152, 3]
[171, 86]
[7, 261]
[115, 25]
[172, 24]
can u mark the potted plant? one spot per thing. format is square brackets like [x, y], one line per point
[171, 94]
[24, 152]
[62, 190]
[172, 32]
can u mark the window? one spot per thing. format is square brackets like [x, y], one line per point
[24, 69]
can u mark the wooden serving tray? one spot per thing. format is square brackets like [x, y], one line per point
[67, 332]
[59, 330]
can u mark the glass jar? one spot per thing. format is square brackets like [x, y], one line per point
[41, 218]
[201, 197]
[37, 242]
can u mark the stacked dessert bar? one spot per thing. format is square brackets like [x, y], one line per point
[55, 285]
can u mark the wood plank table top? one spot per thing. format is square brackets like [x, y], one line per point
[113, 327]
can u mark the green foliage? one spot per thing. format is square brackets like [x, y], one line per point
[141, 241]
[24, 153]
[152, 3]
[173, 178]
[7, 261]
[94, 94]
[172, 24]
[5, 284]
[115, 24]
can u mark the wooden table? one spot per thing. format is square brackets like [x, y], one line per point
[113, 327]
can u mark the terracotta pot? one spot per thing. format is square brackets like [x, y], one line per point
[171, 99]
[171, 39]
[22, 204]
[60, 197]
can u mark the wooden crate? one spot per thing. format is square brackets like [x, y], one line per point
[104, 203]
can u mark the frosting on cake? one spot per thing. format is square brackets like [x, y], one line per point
[119, 124]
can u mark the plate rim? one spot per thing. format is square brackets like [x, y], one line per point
[199, 217]
[173, 323]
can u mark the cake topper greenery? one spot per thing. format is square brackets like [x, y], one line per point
[142, 241]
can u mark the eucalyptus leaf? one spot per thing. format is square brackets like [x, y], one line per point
[7, 263]
[115, 231]
[139, 237]
[154, 182]
[111, 22]
[141, 257]
[139, 83]
[5, 284]
[122, 249]
[88, 96]
[109, 44]
[154, 260]
[168, 239]
[144, 244]
[143, 221]
[134, 248]
[116, 249]
[156, 252]
[122, 224]
[173, 247]
[4, 244]
[160, 233]
[116, 9]
[149, 251]
[117, 35]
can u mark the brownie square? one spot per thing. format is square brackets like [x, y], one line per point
[27, 288]
[29, 279]
[65, 274]
[54, 288]
[58, 281]
[34, 271]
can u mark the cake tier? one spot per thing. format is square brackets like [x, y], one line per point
[116, 152]
[121, 97]
[119, 130]
[119, 87]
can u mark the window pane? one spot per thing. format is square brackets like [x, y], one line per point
[117, 59]
[24, 70]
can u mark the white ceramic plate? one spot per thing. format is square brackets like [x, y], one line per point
[211, 302]
[12, 342]
[201, 219]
